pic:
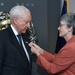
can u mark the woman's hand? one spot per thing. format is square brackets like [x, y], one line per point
[36, 49]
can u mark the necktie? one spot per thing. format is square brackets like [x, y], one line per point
[19, 37]
[20, 41]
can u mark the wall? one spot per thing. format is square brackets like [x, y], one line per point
[72, 6]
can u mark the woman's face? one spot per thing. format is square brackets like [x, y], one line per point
[63, 29]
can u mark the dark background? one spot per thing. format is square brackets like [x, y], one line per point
[46, 15]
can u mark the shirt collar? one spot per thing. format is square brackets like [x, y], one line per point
[14, 30]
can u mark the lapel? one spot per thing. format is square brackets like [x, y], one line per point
[17, 45]
[27, 47]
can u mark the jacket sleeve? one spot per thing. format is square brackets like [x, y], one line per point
[63, 60]
[48, 56]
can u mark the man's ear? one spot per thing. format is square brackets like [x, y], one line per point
[15, 20]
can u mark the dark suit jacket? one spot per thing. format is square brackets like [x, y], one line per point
[13, 60]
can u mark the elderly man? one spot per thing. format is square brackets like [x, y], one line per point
[15, 54]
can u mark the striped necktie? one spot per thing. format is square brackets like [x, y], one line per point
[20, 40]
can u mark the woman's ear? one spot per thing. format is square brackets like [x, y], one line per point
[71, 28]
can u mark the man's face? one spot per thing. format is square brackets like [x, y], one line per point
[22, 24]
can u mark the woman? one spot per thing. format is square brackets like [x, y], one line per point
[64, 62]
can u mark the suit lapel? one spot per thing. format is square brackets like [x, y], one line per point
[17, 45]
[27, 47]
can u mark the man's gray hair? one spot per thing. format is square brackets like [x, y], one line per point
[18, 11]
